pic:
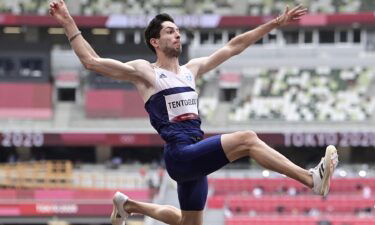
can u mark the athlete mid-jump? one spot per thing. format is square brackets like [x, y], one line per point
[168, 90]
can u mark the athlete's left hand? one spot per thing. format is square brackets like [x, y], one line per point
[290, 15]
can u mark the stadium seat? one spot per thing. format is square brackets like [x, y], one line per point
[26, 100]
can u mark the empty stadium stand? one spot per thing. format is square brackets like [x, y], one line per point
[112, 103]
[322, 94]
[26, 100]
[252, 7]
[284, 201]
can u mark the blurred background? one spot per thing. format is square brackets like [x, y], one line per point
[70, 138]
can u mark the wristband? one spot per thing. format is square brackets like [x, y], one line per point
[74, 36]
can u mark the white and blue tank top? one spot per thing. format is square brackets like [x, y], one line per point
[173, 108]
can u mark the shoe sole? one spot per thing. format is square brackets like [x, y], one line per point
[330, 150]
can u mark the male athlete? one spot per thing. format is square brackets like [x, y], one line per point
[168, 91]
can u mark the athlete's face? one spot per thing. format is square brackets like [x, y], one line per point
[170, 39]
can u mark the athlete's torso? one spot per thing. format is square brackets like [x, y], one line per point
[173, 108]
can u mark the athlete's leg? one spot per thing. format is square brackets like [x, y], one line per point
[192, 196]
[246, 143]
[164, 213]
[188, 165]
[192, 217]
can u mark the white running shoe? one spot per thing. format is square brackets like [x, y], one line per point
[322, 173]
[119, 215]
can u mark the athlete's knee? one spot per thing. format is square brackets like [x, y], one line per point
[248, 138]
[192, 218]
[170, 212]
[187, 221]
[178, 222]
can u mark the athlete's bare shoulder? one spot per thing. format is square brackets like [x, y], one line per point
[194, 65]
[140, 64]
[142, 67]
[146, 78]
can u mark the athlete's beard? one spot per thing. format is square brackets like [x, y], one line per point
[171, 52]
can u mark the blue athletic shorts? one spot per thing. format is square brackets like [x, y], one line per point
[189, 163]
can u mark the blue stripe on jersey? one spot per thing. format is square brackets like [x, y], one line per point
[171, 91]
[171, 131]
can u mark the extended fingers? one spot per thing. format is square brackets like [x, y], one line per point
[302, 11]
[296, 15]
[299, 14]
[296, 8]
[296, 18]
[286, 11]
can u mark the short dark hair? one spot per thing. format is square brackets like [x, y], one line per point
[154, 27]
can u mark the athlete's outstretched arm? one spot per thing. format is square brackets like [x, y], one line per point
[242, 41]
[87, 55]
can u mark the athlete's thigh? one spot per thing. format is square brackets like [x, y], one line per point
[236, 145]
[192, 196]
[195, 160]
[192, 217]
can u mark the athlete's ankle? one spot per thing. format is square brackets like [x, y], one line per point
[310, 181]
[129, 206]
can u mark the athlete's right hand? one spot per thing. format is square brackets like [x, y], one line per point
[59, 11]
